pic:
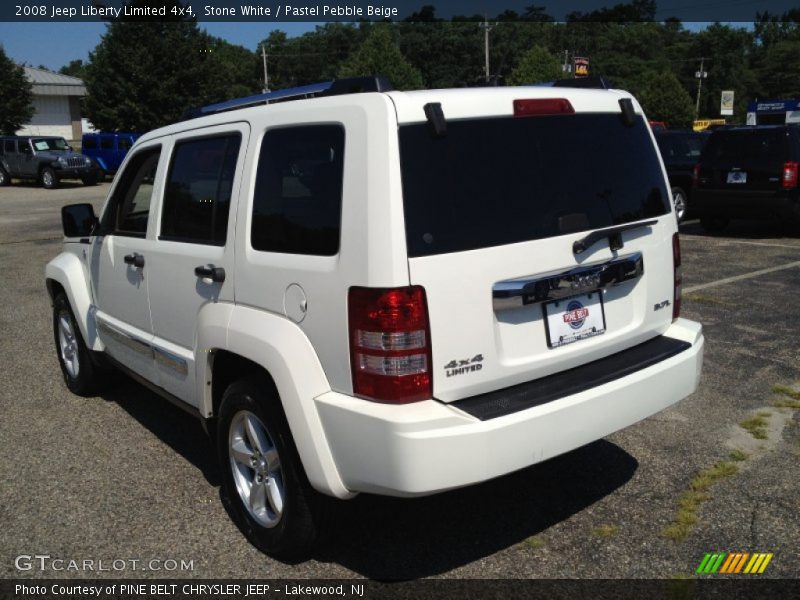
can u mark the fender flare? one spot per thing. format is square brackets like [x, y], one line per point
[281, 348]
[68, 271]
[102, 163]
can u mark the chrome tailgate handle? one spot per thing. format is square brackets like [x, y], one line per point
[554, 286]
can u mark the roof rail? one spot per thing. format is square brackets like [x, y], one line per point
[337, 87]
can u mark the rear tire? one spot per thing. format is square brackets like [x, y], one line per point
[82, 375]
[714, 224]
[679, 200]
[264, 482]
[5, 179]
[49, 178]
[91, 180]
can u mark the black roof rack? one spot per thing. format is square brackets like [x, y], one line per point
[337, 87]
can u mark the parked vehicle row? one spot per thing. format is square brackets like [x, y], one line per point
[748, 172]
[46, 159]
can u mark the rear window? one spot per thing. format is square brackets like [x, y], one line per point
[497, 181]
[770, 144]
[681, 148]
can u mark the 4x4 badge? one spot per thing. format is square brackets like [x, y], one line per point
[461, 367]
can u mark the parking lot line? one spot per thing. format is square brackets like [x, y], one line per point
[749, 275]
[696, 238]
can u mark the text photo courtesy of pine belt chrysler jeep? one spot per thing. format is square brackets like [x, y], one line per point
[390, 292]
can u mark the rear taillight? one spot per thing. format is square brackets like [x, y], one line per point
[390, 348]
[789, 179]
[677, 277]
[542, 106]
[696, 175]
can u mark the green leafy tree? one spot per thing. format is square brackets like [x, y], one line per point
[779, 71]
[379, 54]
[16, 96]
[663, 98]
[146, 73]
[537, 65]
[312, 57]
[75, 68]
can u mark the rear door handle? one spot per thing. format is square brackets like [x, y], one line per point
[215, 274]
[135, 259]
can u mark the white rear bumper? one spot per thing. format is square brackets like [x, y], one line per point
[429, 447]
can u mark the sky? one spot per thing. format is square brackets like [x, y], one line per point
[34, 43]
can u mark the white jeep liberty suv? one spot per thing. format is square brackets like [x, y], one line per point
[389, 292]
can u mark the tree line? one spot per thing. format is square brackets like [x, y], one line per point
[144, 74]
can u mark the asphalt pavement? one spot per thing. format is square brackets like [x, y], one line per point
[128, 477]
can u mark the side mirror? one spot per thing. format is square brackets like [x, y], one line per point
[78, 220]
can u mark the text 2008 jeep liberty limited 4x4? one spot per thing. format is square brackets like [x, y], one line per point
[389, 292]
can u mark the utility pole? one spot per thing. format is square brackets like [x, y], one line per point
[266, 76]
[486, 28]
[699, 75]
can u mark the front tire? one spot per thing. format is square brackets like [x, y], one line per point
[81, 374]
[5, 179]
[269, 495]
[49, 178]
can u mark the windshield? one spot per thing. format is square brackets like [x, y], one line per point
[42, 144]
[497, 181]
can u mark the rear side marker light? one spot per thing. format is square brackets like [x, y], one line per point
[789, 179]
[542, 106]
[696, 175]
[390, 352]
[677, 276]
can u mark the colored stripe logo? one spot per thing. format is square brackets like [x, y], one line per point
[730, 563]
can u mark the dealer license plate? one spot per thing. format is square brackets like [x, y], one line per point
[573, 319]
[737, 177]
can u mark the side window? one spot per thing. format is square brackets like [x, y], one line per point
[129, 208]
[123, 143]
[10, 146]
[106, 143]
[298, 196]
[89, 143]
[198, 194]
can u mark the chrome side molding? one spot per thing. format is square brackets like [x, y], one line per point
[164, 358]
[514, 293]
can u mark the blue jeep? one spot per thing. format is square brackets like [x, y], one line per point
[107, 149]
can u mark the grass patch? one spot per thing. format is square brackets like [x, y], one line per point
[737, 455]
[534, 542]
[755, 426]
[791, 397]
[703, 299]
[691, 500]
[606, 531]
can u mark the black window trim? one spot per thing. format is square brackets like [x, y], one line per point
[181, 239]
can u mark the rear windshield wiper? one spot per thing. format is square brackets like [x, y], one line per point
[612, 233]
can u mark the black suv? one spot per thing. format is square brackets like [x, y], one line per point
[681, 151]
[748, 172]
[46, 159]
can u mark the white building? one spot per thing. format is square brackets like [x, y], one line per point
[56, 104]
